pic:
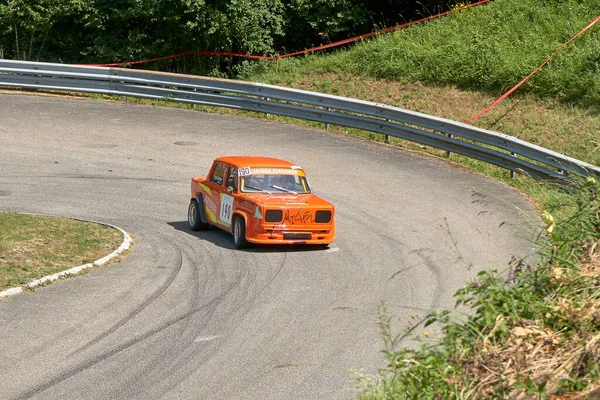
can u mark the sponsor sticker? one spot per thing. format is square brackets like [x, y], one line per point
[277, 171]
[246, 206]
[209, 203]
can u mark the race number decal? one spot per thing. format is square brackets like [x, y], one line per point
[244, 171]
[226, 208]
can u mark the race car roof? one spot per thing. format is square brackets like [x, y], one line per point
[253, 161]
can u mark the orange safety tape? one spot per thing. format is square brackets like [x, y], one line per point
[505, 95]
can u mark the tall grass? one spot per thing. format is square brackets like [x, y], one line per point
[489, 48]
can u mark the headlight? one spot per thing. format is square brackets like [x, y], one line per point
[323, 217]
[273, 215]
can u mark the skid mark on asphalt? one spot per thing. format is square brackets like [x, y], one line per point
[289, 365]
[163, 371]
[70, 372]
[138, 310]
[179, 357]
[435, 270]
[189, 359]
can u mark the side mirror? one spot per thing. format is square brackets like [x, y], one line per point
[230, 189]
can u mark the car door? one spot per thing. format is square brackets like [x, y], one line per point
[224, 186]
[216, 184]
[227, 196]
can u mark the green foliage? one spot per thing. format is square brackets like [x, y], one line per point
[103, 31]
[98, 31]
[254, 25]
[311, 22]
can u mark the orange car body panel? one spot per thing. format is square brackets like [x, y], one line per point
[270, 217]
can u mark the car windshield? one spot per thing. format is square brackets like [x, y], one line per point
[274, 183]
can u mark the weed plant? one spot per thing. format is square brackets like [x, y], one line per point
[533, 330]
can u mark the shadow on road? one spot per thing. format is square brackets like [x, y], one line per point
[225, 240]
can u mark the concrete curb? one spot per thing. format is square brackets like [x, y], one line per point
[75, 270]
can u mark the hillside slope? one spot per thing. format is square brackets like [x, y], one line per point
[489, 48]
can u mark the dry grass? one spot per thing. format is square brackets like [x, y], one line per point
[541, 355]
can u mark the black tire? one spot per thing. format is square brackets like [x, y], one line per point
[239, 232]
[195, 217]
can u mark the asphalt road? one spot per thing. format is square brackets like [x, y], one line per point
[184, 315]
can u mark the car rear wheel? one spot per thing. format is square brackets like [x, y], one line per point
[239, 233]
[194, 217]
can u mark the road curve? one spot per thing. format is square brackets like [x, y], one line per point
[184, 315]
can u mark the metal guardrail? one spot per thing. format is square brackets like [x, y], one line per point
[455, 137]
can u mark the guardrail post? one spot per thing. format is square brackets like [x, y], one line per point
[267, 99]
[512, 173]
[123, 98]
[449, 153]
[387, 137]
[327, 125]
[194, 105]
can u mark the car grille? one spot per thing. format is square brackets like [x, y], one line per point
[322, 217]
[273, 215]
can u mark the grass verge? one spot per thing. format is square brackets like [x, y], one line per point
[32, 246]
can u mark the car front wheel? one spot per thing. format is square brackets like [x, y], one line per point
[239, 233]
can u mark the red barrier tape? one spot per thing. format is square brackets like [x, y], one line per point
[141, 61]
[186, 53]
[505, 95]
[313, 49]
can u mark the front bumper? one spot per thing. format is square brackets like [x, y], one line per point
[293, 236]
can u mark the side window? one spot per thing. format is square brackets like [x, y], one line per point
[218, 175]
[232, 178]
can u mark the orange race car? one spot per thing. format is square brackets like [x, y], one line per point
[260, 200]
